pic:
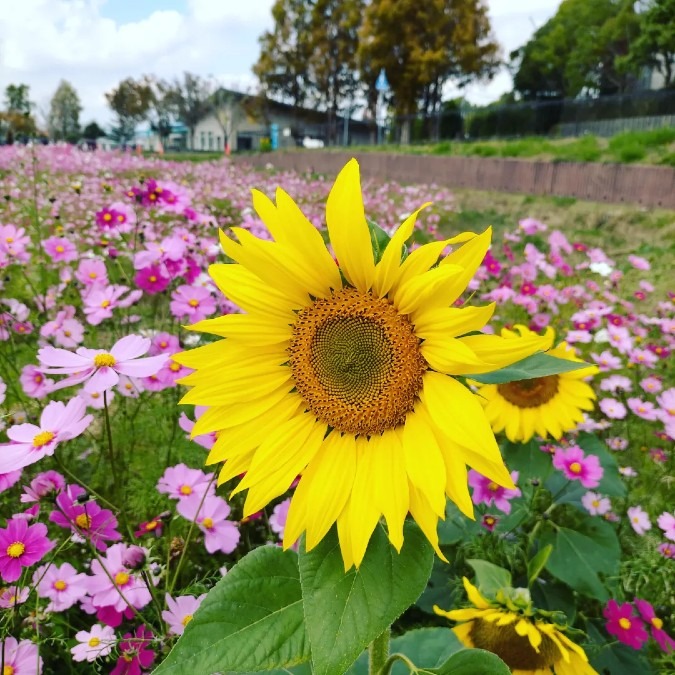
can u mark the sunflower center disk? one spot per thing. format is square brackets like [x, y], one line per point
[530, 393]
[515, 650]
[356, 362]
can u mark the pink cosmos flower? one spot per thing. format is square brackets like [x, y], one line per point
[643, 357]
[131, 387]
[624, 624]
[279, 517]
[666, 521]
[606, 360]
[667, 402]
[615, 383]
[612, 408]
[101, 369]
[651, 384]
[60, 249]
[220, 534]
[9, 479]
[63, 585]
[3, 390]
[34, 383]
[13, 244]
[11, 596]
[596, 504]
[135, 653]
[100, 302]
[620, 338]
[578, 466]
[667, 550]
[86, 519]
[181, 482]
[92, 272]
[180, 612]
[153, 526]
[193, 303]
[187, 425]
[20, 658]
[531, 226]
[617, 443]
[110, 576]
[30, 443]
[639, 520]
[21, 545]
[639, 263]
[93, 644]
[45, 484]
[489, 522]
[164, 343]
[655, 624]
[643, 409]
[488, 492]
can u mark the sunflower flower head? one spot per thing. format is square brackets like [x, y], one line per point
[548, 406]
[529, 640]
[346, 374]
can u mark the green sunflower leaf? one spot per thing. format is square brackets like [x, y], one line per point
[379, 239]
[490, 578]
[345, 612]
[473, 662]
[537, 365]
[580, 556]
[251, 621]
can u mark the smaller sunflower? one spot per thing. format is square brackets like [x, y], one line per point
[548, 406]
[518, 633]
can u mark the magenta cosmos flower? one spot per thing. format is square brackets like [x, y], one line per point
[135, 654]
[578, 466]
[30, 443]
[21, 545]
[488, 492]
[192, 302]
[180, 612]
[655, 624]
[63, 585]
[87, 520]
[623, 624]
[111, 576]
[100, 369]
[20, 658]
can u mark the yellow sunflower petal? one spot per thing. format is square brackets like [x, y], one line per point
[449, 322]
[463, 634]
[256, 330]
[526, 628]
[476, 598]
[348, 229]
[426, 291]
[426, 518]
[344, 528]
[448, 355]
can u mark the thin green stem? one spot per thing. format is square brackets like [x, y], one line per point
[378, 653]
[111, 452]
[89, 489]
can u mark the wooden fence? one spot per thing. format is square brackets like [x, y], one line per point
[651, 186]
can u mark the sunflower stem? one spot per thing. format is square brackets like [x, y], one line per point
[378, 651]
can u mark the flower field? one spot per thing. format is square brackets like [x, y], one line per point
[130, 518]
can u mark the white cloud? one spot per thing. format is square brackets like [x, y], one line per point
[43, 41]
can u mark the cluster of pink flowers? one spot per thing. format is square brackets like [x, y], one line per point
[630, 622]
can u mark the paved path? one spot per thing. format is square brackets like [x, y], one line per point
[651, 186]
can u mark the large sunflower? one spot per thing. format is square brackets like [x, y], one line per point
[548, 406]
[522, 636]
[343, 373]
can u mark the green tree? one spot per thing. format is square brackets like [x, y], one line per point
[17, 99]
[423, 45]
[64, 114]
[582, 48]
[191, 97]
[130, 101]
[163, 107]
[655, 46]
[332, 66]
[16, 121]
[92, 131]
[285, 52]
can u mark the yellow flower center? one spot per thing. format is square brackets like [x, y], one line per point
[207, 523]
[92, 275]
[356, 362]
[121, 578]
[624, 623]
[152, 525]
[657, 623]
[43, 438]
[105, 303]
[530, 393]
[121, 218]
[193, 303]
[9, 240]
[185, 490]
[16, 549]
[575, 467]
[83, 521]
[94, 642]
[60, 585]
[152, 278]
[175, 367]
[186, 619]
[595, 503]
[492, 486]
[104, 360]
[8, 670]
[107, 217]
[59, 249]
[515, 650]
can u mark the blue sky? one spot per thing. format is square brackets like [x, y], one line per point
[94, 44]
